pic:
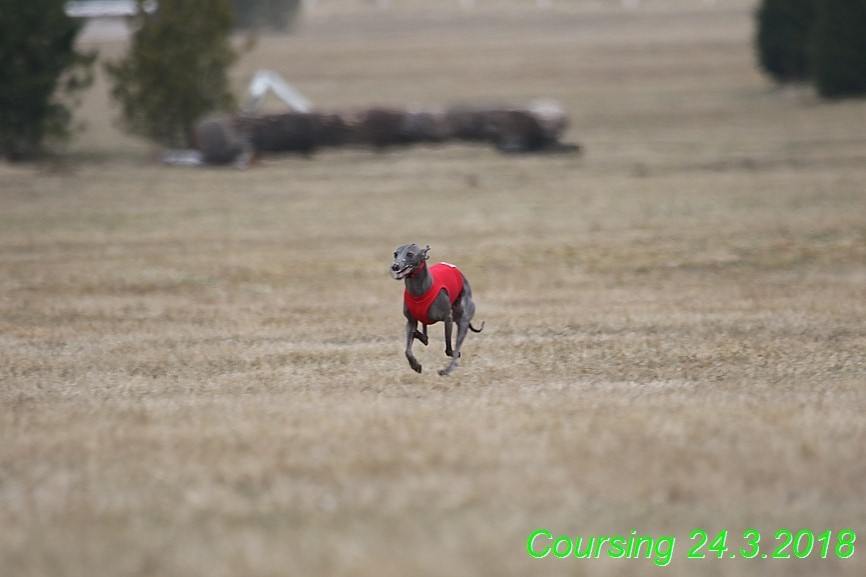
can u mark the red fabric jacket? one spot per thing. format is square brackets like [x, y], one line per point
[445, 276]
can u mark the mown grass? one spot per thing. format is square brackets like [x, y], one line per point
[202, 370]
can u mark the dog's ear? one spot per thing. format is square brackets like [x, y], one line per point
[424, 252]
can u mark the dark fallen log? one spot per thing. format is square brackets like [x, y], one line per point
[219, 141]
[510, 129]
[224, 139]
[296, 132]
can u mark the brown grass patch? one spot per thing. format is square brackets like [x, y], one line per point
[202, 369]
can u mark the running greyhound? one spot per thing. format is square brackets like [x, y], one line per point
[436, 293]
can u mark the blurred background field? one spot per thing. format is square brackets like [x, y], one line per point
[202, 369]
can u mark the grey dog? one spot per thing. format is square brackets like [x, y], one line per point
[436, 293]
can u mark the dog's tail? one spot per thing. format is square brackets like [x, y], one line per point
[474, 330]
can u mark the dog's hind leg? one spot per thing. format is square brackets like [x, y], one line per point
[461, 313]
[462, 331]
[454, 353]
[449, 325]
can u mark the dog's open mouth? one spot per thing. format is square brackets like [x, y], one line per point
[401, 274]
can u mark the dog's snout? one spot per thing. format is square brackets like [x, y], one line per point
[395, 267]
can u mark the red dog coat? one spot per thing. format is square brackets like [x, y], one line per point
[445, 276]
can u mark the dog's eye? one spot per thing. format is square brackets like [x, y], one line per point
[395, 255]
[409, 255]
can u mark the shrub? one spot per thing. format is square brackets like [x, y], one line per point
[176, 70]
[838, 50]
[40, 71]
[782, 39]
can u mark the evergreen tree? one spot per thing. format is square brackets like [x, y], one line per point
[40, 71]
[782, 38]
[838, 51]
[176, 70]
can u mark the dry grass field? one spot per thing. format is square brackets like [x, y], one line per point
[202, 369]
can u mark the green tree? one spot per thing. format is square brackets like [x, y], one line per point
[176, 70]
[40, 74]
[838, 49]
[782, 39]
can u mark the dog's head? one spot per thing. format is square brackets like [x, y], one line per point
[407, 259]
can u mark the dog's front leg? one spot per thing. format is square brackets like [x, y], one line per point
[422, 336]
[411, 325]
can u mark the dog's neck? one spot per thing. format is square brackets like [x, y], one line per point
[419, 281]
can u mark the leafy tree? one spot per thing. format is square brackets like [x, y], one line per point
[839, 48]
[40, 74]
[783, 32]
[176, 70]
